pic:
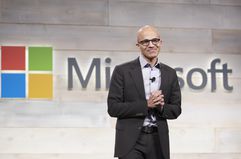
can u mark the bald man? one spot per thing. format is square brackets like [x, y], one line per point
[143, 94]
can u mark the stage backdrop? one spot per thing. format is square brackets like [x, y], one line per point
[57, 58]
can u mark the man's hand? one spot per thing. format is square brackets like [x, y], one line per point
[156, 99]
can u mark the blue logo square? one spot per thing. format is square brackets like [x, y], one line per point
[13, 85]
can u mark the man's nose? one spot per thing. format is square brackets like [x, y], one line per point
[151, 44]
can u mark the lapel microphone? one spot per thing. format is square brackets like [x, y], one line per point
[153, 79]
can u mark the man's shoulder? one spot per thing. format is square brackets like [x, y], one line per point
[167, 67]
[128, 64]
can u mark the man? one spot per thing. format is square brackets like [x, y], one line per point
[143, 94]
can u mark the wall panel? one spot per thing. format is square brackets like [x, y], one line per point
[75, 123]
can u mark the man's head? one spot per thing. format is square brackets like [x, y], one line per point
[148, 41]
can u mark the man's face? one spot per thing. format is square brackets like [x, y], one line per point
[149, 42]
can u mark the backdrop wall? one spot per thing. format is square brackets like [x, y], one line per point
[75, 124]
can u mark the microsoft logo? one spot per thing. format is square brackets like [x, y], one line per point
[26, 72]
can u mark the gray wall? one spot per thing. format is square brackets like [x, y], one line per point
[75, 123]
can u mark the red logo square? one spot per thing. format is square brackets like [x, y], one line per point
[13, 58]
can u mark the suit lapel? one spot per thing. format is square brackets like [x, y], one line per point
[136, 75]
[164, 78]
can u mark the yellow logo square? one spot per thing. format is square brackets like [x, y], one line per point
[40, 86]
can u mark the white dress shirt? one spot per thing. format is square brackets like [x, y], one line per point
[152, 82]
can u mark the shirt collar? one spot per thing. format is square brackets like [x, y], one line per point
[145, 64]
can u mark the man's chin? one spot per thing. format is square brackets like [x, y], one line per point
[152, 57]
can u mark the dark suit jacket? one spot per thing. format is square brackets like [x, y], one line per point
[127, 102]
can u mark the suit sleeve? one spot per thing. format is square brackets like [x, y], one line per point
[117, 105]
[172, 107]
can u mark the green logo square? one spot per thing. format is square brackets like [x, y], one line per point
[40, 58]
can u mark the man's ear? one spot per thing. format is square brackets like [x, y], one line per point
[137, 44]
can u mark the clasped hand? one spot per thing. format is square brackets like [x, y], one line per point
[156, 99]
